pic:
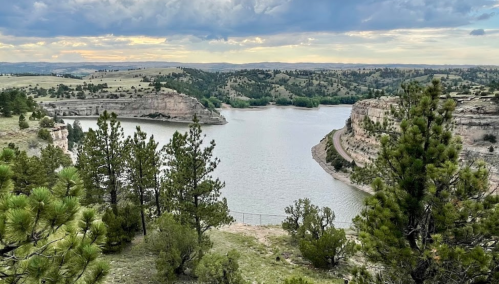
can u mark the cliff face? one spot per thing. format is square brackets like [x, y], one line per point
[164, 107]
[473, 118]
[60, 137]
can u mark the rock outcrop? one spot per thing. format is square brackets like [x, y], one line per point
[473, 118]
[164, 107]
[60, 137]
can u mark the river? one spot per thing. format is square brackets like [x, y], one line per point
[266, 160]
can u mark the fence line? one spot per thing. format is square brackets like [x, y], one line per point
[260, 219]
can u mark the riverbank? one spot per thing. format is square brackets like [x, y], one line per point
[319, 154]
[227, 106]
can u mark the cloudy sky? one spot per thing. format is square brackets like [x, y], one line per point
[243, 31]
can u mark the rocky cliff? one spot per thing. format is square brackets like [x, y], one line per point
[473, 118]
[164, 107]
[60, 137]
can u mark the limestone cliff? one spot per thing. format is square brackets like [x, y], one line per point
[60, 137]
[473, 117]
[164, 107]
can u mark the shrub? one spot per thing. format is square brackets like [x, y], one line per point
[47, 122]
[175, 245]
[44, 134]
[491, 149]
[219, 269]
[121, 228]
[297, 280]
[490, 137]
[23, 124]
[327, 251]
[319, 241]
[283, 101]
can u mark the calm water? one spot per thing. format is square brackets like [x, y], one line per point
[266, 160]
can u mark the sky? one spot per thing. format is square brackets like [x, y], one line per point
[246, 31]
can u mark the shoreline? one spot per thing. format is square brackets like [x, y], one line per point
[319, 155]
[128, 118]
[228, 107]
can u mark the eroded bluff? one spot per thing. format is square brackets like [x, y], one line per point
[164, 107]
[474, 117]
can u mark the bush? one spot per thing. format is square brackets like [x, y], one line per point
[23, 124]
[491, 149]
[220, 269]
[283, 102]
[490, 137]
[297, 280]
[121, 228]
[44, 134]
[175, 245]
[327, 251]
[237, 103]
[47, 122]
[313, 228]
[305, 102]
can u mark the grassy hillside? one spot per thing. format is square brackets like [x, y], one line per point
[255, 87]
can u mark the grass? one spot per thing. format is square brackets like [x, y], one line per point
[10, 133]
[257, 264]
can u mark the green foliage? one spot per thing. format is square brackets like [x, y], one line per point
[101, 161]
[53, 158]
[175, 245]
[7, 155]
[490, 137]
[142, 169]
[313, 228]
[219, 269]
[15, 102]
[75, 134]
[47, 122]
[191, 192]
[43, 240]
[329, 249]
[333, 157]
[29, 173]
[429, 221]
[305, 102]
[121, 227]
[282, 101]
[297, 280]
[263, 101]
[23, 124]
[238, 103]
[44, 134]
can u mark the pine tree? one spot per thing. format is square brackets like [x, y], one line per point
[41, 238]
[101, 160]
[140, 169]
[430, 220]
[191, 192]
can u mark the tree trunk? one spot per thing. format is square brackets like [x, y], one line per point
[142, 211]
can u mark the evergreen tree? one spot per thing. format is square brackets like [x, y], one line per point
[430, 220]
[53, 158]
[28, 173]
[140, 169]
[23, 124]
[190, 189]
[101, 160]
[42, 239]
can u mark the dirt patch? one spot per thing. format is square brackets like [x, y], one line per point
[260, 233]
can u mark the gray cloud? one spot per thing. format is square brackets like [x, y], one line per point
[485, 16]
[478, 32]
[221, 19]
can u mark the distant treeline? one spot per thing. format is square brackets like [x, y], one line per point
[70, 76]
